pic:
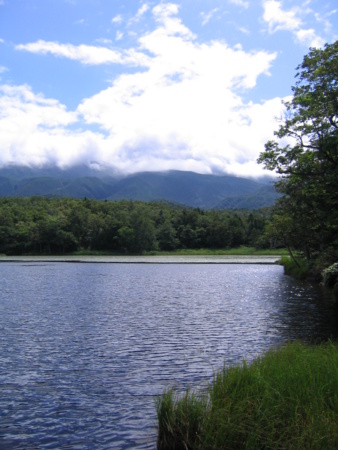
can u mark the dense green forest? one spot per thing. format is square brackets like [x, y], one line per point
[39, 225]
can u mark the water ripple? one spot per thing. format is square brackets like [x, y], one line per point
[84, 348]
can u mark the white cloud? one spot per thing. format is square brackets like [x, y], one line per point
[170, 25]
[104, 41]
[86, 54]
[182, 110]
[206, 17]
[310, 38]
[166, 10]
[244, 30]
[325, 22]
[185, 106]
[242, 3]
[279, 19]
[33, 128]
[3, 69]
[119, 35]
[140, 13]
[117, 19]
[142, 10]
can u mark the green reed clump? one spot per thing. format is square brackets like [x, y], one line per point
[180, 420]
[297, 268]
[287, 399]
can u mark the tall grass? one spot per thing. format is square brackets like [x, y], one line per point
[240, 251]
[287, 399]
[297, 268]
[180, 420]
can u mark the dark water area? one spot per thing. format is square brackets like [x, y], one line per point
[85, 348]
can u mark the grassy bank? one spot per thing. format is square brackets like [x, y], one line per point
[297, 268]
[288, 399]
[239, 251]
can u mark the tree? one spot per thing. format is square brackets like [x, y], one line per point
[308, 164]
[166, 236]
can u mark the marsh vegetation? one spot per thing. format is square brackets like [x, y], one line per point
[285, 399]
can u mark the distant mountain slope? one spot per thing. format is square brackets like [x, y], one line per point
[90, 187]
[6, 186]
[187, 188]
[265, 196]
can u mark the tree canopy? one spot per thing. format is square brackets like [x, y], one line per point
[306, 158]
[39, 225]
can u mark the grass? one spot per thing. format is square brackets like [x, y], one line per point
[93, 253]
[240, 251]
[287, 399]
[298, 268]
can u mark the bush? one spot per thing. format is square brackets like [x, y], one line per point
[330, 275]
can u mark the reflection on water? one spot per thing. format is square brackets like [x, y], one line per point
[84, 348]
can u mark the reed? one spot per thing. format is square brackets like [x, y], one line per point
[287, 399]
[180, 419]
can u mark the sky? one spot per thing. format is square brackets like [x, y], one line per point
[150, 85]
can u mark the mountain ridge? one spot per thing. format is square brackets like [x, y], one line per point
[188, 188]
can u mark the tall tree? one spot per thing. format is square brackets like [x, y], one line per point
[308, 164]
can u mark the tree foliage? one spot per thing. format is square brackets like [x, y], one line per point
[40, 225]
[306, 158]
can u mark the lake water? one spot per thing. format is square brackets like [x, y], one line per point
[85, 347]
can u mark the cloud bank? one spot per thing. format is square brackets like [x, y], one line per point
[181, 107]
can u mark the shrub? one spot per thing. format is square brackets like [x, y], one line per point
[330, 275]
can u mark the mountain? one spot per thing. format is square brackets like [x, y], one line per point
[90, 187]
[187, 188]
[79, 181]
[265, 196]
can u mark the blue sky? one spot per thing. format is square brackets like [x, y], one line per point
[151, 85]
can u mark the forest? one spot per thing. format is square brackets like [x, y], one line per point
[39, 225]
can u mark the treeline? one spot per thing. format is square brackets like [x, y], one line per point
[39, 225]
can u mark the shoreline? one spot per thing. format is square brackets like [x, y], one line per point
[168, 259]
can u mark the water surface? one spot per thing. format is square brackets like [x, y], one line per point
[84, 348]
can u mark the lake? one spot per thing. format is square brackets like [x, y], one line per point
[86, 345]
